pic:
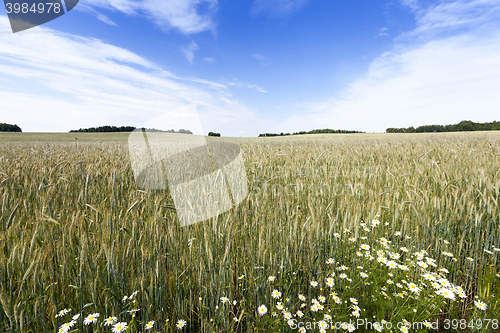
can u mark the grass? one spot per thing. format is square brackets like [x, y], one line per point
[77, 233]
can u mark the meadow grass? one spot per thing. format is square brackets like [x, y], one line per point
[77, 233]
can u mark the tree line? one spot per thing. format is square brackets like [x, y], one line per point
[107, 129]
[316, 131]
[9, 128]
[463, 126]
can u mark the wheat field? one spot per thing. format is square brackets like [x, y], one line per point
[77, 233]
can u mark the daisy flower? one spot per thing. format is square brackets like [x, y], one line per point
[75, 317]
[271, 278]
[110, 321]
[330, 261]
[480, 305]
[429, 277]
[336, 235]
[180, 323]
[395, 256]
[149, 325]
[446, 293]
[302, 297]
[363, 275]
[241, 277]
[365, 246]
[224, 300]
[299, 313]
[119, 327]
[392, 264]
[66, 326]
[262, 310]
[62, 313]
[314, 283]
[90, 319]
[330, 282]
[413, 287]
[276, 294]
[322, 325]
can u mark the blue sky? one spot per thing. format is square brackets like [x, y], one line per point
[254, 66]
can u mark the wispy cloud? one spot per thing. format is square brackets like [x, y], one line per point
[452, 16]
[209, 60]
[383, 32]
[91, 10]
[277, 7]
[240, 84]
[264, 61]
[57, 82]
[427, 78]
[186, 16]
[189, 51]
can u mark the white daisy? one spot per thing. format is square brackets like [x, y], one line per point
[149, 325]
[119, 327]
[276, 294]
[90, 319]
[110, 321]
[180, 323]
[480, 305]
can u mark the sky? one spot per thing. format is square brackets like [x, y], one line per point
[247, 67]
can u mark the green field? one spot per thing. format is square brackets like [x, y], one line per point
[77, 233]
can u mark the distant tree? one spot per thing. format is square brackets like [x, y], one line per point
[183, 131]
[9, 128]
[104, 129]
[463, 126]
[316, 131]
[213, 134]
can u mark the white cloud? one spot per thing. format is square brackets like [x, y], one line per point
[209, 60]
[239, 84]
[189, 51]
[383, 32]
[450, 16]
[57, 82]
[427, 78]
[186, 16]
[277, 7]
[264, 61]
[98, 15]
